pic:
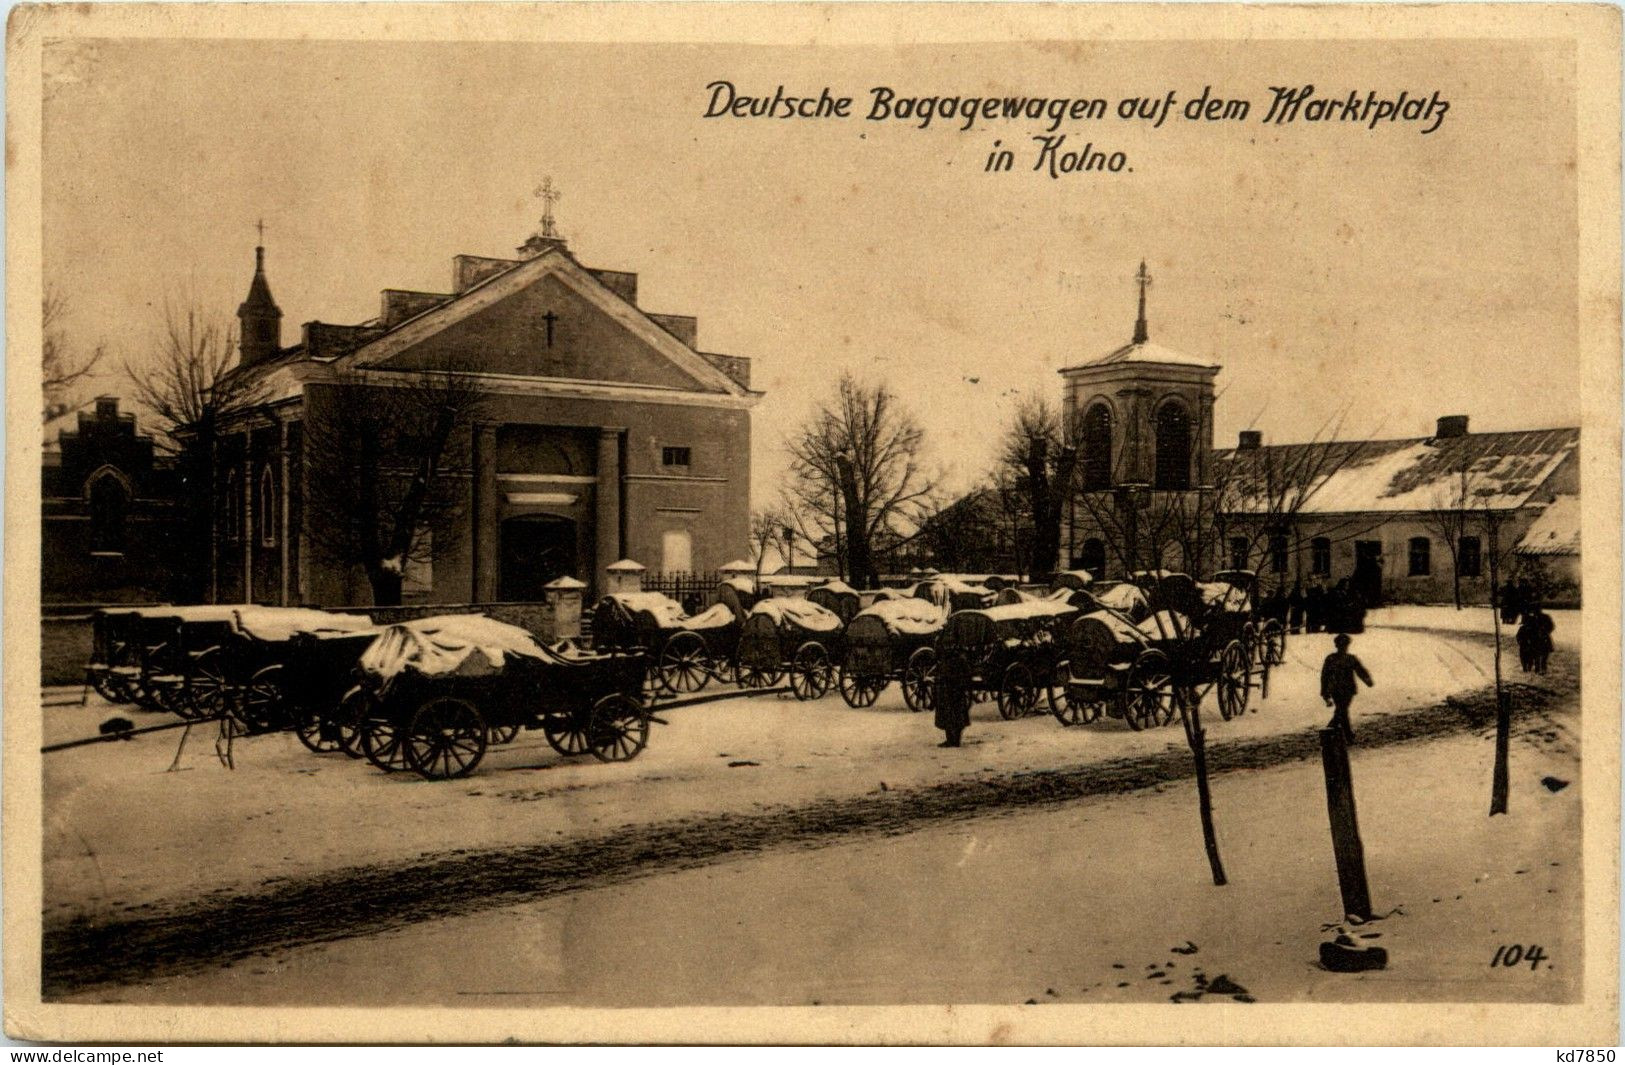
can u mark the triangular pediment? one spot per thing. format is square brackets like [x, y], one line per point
[547, 318]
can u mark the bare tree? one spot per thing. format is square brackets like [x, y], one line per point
[767, 531]
[1455, 509]
[856, 473]
[188, 385]
[64, 369]
[1038, 461]
[388, 456]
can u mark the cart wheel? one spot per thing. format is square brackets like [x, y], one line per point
[352, 710]
[619, 728]
[318, 732]
[207, 693]
[380, 736]
[1071, 704]
[503, 733]
[258, 705]
[1016, 692]
[1148, 695]
[919, 679]
[756, 677]
[809, 671]
[1274, 641]
[1232, 679]
[682, 664]
[102, 682]
[725, 669]
[567, 732]
[859, 690]
[446, 739]
[1249, 640]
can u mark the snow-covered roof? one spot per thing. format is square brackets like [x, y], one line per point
[738, 565]
[1394, 476]
[626, 565]
[565, 583]
[1556, 531]
[1146, 351]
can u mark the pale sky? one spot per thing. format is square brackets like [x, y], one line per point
[1323, 266]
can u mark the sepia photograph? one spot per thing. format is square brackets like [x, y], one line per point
[784, 523]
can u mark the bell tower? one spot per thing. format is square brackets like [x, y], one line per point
[259, 318]
[1145, 412]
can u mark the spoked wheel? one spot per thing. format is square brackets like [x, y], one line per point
[1273, 640]
[919, 679]
[725, 669]
[446, 739]
[352, 710]
[503, 733]
[102, 683]
[319, 732]
[258, 705]
[567, 732]
[207, 693]
[1073, 704]
[860, 690]
[682, 664]
[1250, 641]
[757, 677]
[1017, 692]
[1148, 694]
[1232, 680]
[620, 728]
[380, 739]
[810, 671]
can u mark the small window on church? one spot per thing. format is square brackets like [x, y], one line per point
[265, 508]
[1173, 448]
[107, 506]
[674, 457]
[1097, 448]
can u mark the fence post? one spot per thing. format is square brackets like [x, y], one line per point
[1503, 736]
[1346, 845]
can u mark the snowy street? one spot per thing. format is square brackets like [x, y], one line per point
[737, 788]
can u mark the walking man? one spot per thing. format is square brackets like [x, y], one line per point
[1337, 685]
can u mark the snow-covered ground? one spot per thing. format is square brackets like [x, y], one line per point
[1479, 619]
[1101, 901]
[124, 835]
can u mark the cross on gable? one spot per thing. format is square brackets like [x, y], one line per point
[550, 318]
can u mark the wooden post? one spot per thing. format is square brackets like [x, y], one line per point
[1197, 737]
[1503, 698]
[1346, 845]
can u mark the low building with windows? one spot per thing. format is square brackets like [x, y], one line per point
[1404, 520]
[110, 515]
[605, 432]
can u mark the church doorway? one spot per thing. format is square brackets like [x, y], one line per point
[1367, 580]
[536, 549]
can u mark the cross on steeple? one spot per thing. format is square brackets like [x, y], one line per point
[548, 194]
[1141, 334]
[260, 226]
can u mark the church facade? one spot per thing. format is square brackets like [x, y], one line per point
[603, 432]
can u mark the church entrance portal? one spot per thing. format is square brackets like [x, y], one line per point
[536, 549]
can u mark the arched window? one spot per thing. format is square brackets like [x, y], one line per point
[232, 507]
[1097, 448]
[107, 510]
[1173, 447]
[1093, 557]
[265, 508]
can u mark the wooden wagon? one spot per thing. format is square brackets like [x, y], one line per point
[1265, 636]
[1007, 652]
[684, 651]
[892, 640]
[794, 638]
[436, 693]
[1142, 671]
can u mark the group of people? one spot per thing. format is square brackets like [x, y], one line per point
[1319, 609]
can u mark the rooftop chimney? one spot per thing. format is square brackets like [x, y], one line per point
[1451, 425]
[1250, 440]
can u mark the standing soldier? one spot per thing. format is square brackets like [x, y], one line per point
[1337, 685]
[1294, 608]
[1511, 606]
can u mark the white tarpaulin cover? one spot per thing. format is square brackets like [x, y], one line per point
[912, 617]
[801, 613]
[467, 645]
[1166, 625]
[1224, 595]
[272, 623]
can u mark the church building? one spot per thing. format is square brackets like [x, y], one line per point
[604, 432]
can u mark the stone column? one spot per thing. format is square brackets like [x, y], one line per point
[282, 519]
[247, 530]
[487, 515]
[608, 517]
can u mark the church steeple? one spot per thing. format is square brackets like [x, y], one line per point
[547, 238]
[1141, 333]
[259, 318]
